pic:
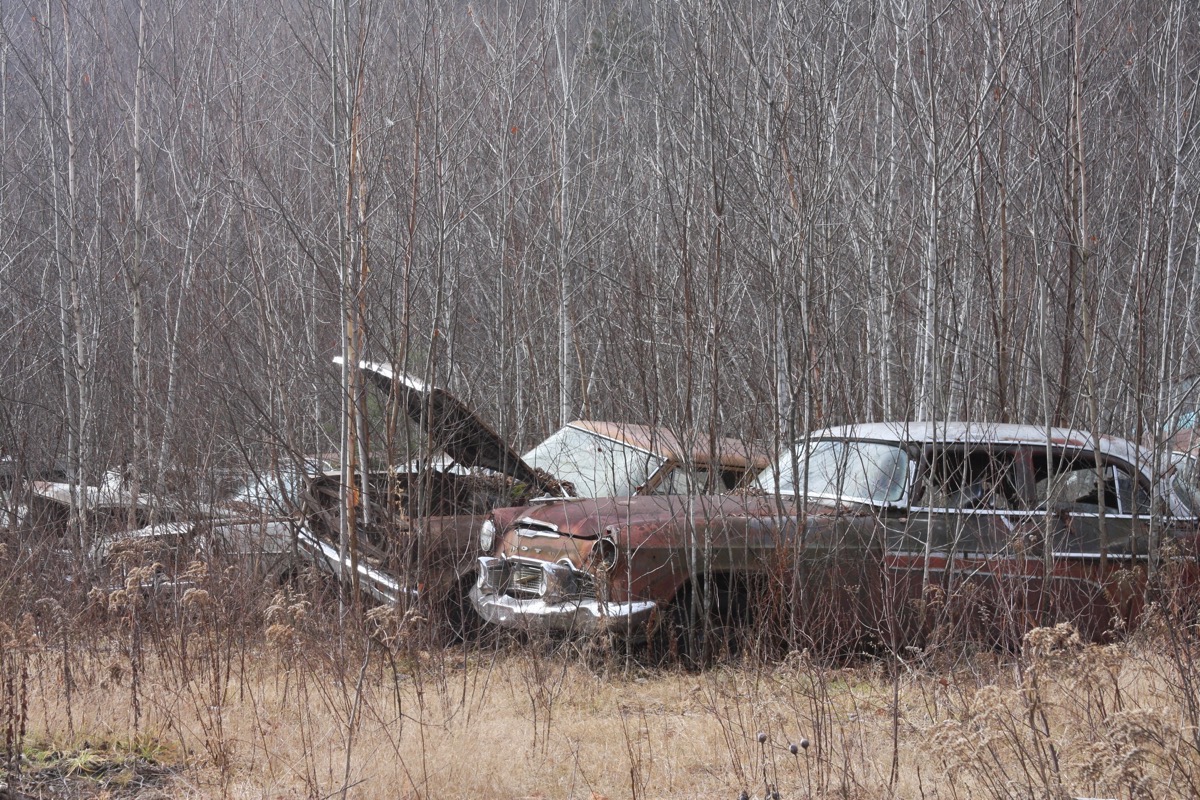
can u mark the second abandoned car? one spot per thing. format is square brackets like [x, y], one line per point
[887, 531]
[159, 535]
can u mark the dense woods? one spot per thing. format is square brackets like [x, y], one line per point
[727, 217]
[746, 218]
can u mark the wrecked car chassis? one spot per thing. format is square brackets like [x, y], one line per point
[627, 566]
[148, 541]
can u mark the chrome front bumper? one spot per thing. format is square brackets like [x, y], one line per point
[553, 610]
[379, 585]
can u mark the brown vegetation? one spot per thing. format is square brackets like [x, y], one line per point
[209, 695]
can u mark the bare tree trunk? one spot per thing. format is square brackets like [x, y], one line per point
[76, 366]
[133, 272]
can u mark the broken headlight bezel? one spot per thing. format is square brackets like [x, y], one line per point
[604, 554]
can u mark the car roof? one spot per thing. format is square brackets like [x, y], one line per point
[1001, 433]
[732, 453]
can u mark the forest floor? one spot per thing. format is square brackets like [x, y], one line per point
[297, 716]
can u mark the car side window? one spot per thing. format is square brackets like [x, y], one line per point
[702, 480]
[733, 478]
[681, 480]
[1186, 483]
[966, 479]
[1131, 494]
[1077, 487]
[1072, 482]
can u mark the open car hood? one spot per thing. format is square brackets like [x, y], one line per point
[454, 428]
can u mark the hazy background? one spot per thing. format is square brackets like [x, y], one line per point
[746, 218]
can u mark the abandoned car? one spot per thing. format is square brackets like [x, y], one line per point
[889, 532]
[251, 527]
[419, 537]
[251, 530]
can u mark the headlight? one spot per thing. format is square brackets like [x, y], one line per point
[487, 535]
[604, 554]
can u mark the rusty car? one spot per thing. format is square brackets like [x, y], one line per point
[250, 526]
[418, 541]
[887, 533]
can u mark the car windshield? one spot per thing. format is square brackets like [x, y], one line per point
[596, 465]
[863, 472]
[269, 492]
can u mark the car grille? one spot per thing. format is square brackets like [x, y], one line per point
[533, 526]
[527, 578]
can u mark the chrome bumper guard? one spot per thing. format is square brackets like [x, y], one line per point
[553, 610]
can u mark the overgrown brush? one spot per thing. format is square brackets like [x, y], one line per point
[245, 687]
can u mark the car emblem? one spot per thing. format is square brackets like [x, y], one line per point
[525, 533]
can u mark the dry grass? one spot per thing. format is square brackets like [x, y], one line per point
[304, 717]
[213, 695]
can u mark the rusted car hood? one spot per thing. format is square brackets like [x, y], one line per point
[592, 518]
[455, 428]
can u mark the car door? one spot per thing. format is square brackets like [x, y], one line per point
[1095, 562]
[958, 562]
